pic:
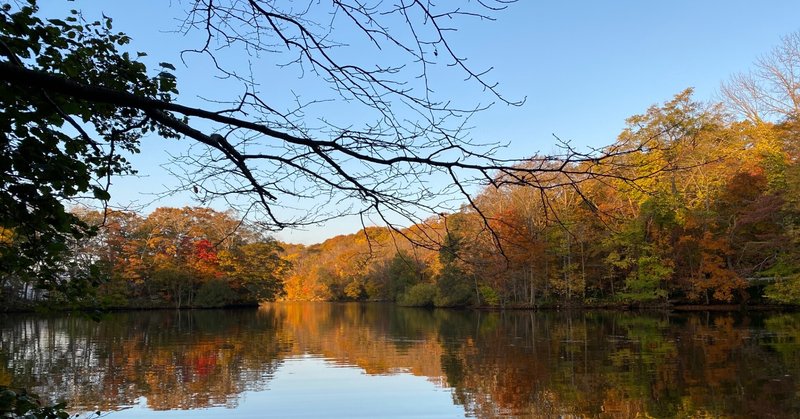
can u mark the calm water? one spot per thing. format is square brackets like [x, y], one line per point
[378, 360]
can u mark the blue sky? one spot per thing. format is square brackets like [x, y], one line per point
[584, 67]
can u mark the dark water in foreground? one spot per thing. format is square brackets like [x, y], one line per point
[378, 360]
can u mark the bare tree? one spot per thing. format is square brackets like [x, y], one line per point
[772, 89]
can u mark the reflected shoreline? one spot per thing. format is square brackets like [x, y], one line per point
[495, 363]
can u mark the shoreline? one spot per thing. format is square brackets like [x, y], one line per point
[680, 308]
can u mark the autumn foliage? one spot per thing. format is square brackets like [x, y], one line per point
[693, 203]
[183, 257]
[717, 225]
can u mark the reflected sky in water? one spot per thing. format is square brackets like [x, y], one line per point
[312, 387]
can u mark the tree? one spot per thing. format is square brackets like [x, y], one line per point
[256, 270]
[47, 154]
[769, 97]
[772, 88]
[60, 76]
[453, 287]
[404, 270]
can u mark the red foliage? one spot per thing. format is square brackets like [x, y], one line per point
[204, 250]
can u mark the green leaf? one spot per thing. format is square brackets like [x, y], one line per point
[101, 194]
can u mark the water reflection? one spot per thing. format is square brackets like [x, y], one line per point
[486, 364]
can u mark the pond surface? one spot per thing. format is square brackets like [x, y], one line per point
[377, 360]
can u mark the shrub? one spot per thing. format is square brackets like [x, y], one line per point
[489, 296]
[215, 293]
[453, 290]
[419, 295]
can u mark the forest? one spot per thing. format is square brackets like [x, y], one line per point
[696, 202]
[719, 227]
[293, 117]
[174, 257]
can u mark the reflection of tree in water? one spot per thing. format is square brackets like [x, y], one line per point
[380, 338]
[498, 364]
[174, 359]
[622, 365]
[548, 364]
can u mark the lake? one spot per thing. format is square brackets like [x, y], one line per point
[378, 360]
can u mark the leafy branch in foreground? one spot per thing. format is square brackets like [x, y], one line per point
[56, 148]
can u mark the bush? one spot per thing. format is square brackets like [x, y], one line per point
[784, 290]
[453, 290]
[215, 293]
[113, 294]
[419, 295]
[354, 290]
[489, 296]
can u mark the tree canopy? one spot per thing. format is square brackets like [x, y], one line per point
[56, 148]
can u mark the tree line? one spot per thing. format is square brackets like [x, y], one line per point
[719, 225]
[697, 203]
[173, 257]
[694, 202]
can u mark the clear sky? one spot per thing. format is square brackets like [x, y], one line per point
[584, 66]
